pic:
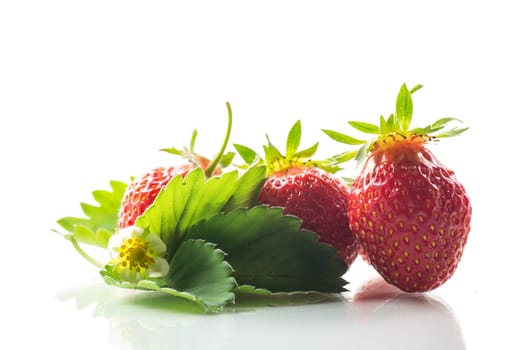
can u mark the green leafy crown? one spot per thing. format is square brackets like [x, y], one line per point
[397, 125]
[276, 161]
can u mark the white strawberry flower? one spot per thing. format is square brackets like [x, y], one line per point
[136, 254]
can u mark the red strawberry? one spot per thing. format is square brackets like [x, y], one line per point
[141, 193]
[308, 190]
[409, 212]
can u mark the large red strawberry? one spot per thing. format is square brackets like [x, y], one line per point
[142, 191]
[409, 212]
[308, 190]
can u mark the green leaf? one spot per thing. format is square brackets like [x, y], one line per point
[173, 150]
[383, 126]
[193, 139]
[308, 152]
[198, 268]
[404, 108]
[247, 154]
[339, 137]
[439, 125]
[362, 152]
[269, 250]
[112, 278]
[226, 159]
[343, 157]
[271, 152]
[443, 121]
[393, 123]
[101, 220]
[365, 127]
[294, 139]
[451, 132]
[415, 88]
[247, 188]
[197, 273]
[184, 202]
[424, 131]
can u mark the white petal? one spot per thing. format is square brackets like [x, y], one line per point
[159, 268]
[114, 244]
[131, 232]
[128, 275]
[156, 243]
[137, 232]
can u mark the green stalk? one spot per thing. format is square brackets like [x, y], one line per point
[82, 252]
[217, 158]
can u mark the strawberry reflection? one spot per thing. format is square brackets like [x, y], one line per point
[377, 315]
[387, 317]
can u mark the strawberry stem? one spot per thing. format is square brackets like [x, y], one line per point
[82, 252]
[218, 157]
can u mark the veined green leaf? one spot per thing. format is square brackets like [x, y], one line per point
[198, 268]
[100, 219]
[269, 250]
[175, 207]
[184, 202]
[247, 154]
[339, 137]
[404, 108]
[208, 200]
[247, 188]
[365, 127]
[293, 140]
[163, 216]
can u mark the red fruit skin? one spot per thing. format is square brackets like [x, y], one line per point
[319, 199]
[141, 193]
[411, 215]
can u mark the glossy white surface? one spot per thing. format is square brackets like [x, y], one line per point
[89, 91]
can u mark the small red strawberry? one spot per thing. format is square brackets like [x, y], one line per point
[308, 190]
[409, 212]
[142, 191]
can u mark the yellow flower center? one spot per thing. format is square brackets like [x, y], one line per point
[136, 255]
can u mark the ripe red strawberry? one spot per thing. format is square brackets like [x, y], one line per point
[308, 190]
[409, 212]
[142, 191]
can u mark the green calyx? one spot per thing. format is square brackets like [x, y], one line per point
[396, 127]
[275, 161]
[223, 159]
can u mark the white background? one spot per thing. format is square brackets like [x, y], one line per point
[90, 90]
